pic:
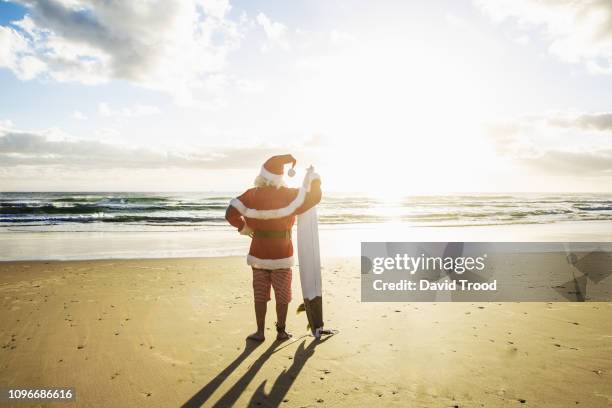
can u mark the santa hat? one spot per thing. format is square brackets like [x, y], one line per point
[273, 168]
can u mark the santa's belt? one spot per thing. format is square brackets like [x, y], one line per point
[273, 234]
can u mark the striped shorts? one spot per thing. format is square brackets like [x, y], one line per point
[279, 279]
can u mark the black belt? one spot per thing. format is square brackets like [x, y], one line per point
[273, 234]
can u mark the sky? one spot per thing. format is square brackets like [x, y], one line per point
[388, 97]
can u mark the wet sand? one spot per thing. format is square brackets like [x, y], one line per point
[170, 332]
[337, 240]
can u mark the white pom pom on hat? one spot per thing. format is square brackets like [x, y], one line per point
[273, 168]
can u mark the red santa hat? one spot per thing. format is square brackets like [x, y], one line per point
[273, 168]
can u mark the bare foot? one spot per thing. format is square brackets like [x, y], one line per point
[283, 335]
[257, 336]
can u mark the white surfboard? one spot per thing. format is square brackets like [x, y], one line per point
[309, 259]
[308, 254]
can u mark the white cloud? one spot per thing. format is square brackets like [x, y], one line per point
[557, 143]
[14, 55]
[216, 8]
[5, 124]
[276, 33]
[53, 148]
[249, 86]
[600, 121]
[522, 39]
[340, 38]
[78, 115]
[129, 112]
[168, 45]
[576, 31]
[586, 162]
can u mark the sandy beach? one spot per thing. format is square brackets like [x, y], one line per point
[170, 332]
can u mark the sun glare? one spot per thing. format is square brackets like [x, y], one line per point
[418, 118]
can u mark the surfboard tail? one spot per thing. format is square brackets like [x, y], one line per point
[314, 312]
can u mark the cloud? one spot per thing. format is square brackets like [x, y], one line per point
[576, 31]
[5, 124]
[563, 144]
[583, 121]
[14, 55]
[129, 112]
[250, 86]
[340, 38]
[169, 45]
[587, 121]
[276, 33]
[216, 8]
[53, 149]
[78, 115]
[597, 163]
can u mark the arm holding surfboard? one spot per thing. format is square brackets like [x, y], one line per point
[312, 183]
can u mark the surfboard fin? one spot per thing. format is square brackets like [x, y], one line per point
[321, 332]
[301, 308]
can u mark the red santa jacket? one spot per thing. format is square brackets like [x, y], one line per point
[270, 211]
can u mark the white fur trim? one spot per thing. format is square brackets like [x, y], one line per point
[274, 178]
[270, 214]
[277, 212]
[269, 263]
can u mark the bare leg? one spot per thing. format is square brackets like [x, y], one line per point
[281, 314]
[281, 319]
[260, 317]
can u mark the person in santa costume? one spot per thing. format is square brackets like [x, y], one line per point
[266, 213]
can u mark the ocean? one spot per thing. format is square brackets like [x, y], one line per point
[106, 225]
[111, 211]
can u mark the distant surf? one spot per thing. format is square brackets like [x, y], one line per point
[121, 211]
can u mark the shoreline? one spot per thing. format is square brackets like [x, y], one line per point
[335, 241]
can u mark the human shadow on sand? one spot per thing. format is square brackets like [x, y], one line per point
[285, 380]
[280, 388]
[205, 393]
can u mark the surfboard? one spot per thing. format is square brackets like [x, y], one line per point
[309, 259]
